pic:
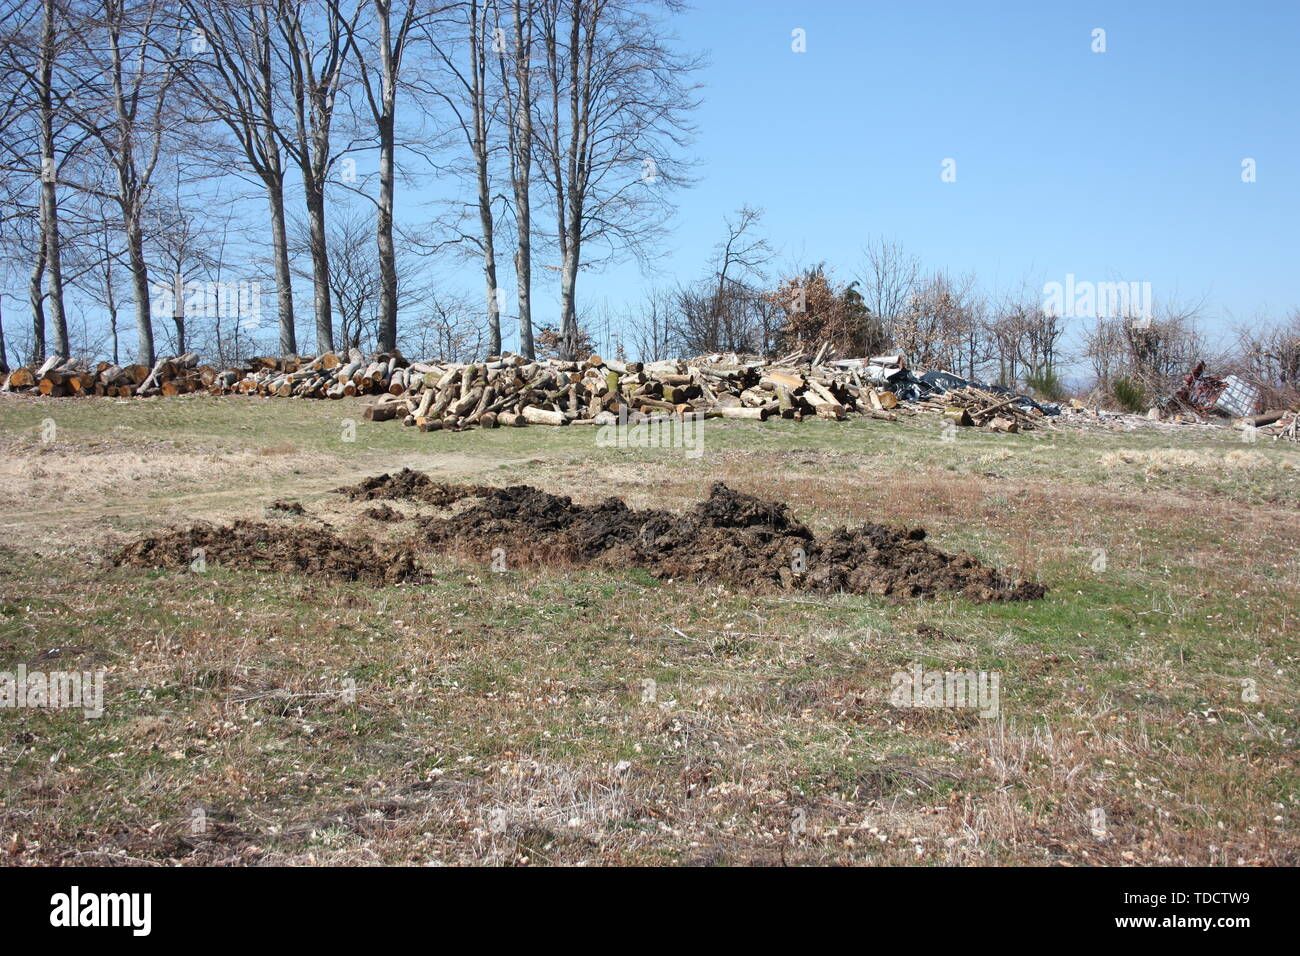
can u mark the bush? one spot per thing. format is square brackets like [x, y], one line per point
[1047, 386]
[1129, 395]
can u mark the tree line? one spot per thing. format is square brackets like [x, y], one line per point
[160, 158]
[1126, 352]
[161, 162]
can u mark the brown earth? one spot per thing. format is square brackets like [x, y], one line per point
[413, 485]
[733, 537]
[252, 545]
[383, 512]
[730, 537]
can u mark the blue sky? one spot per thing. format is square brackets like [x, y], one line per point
[1122, 165]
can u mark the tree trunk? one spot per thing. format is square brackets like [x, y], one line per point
[320, 264]
[568, 310]
[36, 289]
[384, 213]
[579, 89]
[387, 250]
[283, 280]
[49, 177]
[140, 287]
[54, 259]
[478, 106]
[4, 360]
[523, 170]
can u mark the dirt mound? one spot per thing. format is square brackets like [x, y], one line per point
[383, 512]
[733, 537]
[252, 545]
[413, 485]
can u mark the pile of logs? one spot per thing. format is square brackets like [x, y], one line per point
[325, 376]
[511, 391]
[1279, 423]
[972, 406]
[76, 378]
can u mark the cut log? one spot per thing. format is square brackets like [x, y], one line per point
[756, 414]
[21, 378]
[540, 416]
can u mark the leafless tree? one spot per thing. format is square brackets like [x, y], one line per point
[1270, 352]
[126, 77]
[100, 282]
[887, 280]
[649, 326]
[718, 312]
[34, 50]
[465, 53]
[380, 40]
[234, 72]
[939, 326]
[447, 329]
[517, 93]
[614, 110]
[312, 48]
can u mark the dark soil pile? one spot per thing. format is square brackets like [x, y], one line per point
[383, 512]
[730, 537]
[412, 485]
[252, 545]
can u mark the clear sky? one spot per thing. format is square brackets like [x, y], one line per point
[1122, 165]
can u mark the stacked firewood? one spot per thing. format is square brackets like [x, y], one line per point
[325, 376]
[512, 391]
[73, 377]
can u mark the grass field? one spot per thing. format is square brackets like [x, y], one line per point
[561, 715]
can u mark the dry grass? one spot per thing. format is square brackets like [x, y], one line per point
[570, 716]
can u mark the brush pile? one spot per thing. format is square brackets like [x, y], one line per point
[971, 405]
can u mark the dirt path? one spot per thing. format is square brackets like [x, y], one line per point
[188, 502]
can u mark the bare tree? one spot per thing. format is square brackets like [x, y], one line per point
[887, 280]
[126, 78]
[49, 49]
[939, 316]
[741, 256]
[719, 312]
[34, 49]
[448, 329]
[651, 326]
[519, 120]
[380, 83]
[615, 108]
[1270, 352]
[234, 73]
[464, 57]
[312, 49]
[99, 281]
